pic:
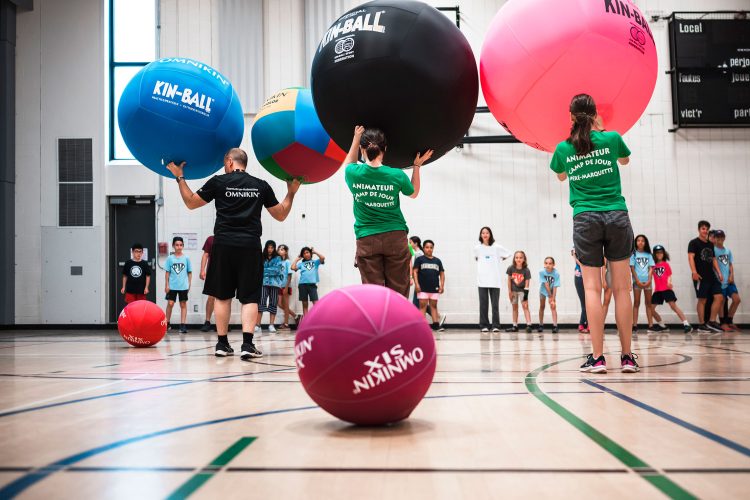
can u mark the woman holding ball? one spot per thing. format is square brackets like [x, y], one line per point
[590, 159]
[383, 255]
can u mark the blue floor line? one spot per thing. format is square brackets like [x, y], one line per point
[120, 393]
[16, 487]
[675, 420]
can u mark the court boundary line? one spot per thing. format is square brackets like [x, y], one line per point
[733, 445]
[634, 463]
[197, 480]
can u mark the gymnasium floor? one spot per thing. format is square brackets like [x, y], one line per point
[84, 416]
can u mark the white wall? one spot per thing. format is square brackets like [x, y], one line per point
[60, 94]
[673, 180]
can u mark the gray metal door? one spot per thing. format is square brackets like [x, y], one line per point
[131, 220]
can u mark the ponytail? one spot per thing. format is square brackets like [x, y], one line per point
[583, 109]
[373, 142]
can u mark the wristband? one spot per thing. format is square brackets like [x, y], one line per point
[180, 178]
[526, 295]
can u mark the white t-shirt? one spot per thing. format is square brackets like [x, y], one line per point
[489, 272]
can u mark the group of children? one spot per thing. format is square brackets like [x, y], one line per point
[278, 271]
[651, 279]
[651, 272]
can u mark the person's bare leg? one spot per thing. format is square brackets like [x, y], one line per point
[168, 312]
[526, 312]
[423, 307]
[735, 304]
[700, 307]
[250, 317]
[592, 285]
[553, 308]
[677, 310]
[222, 311]
[716, 306]
[183, 313]
[209, 308]
[649, 309]
[620, 271]
[607, 300]
[515, 313]
[434, 311]
[636, 304]
[542, 302]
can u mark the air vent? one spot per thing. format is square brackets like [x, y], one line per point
[75, 178]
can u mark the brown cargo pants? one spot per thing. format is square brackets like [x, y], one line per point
[383, 259]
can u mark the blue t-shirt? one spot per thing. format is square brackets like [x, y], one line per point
[273, 272]
[178, 269]
[642, 261]
[308, 271]
[724, 258]
[552, 278]
[287, 270]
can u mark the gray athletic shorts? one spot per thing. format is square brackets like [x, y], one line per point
[602, 234]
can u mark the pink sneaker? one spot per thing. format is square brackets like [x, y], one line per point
[628, 363]
[598, 365]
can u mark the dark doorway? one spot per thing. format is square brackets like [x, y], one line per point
[131, 220]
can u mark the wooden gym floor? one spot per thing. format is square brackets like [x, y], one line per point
[82, 415]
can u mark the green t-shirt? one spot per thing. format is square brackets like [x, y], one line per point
[376, 198]
[594, 178]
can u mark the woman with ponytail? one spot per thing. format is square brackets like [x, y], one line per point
[590, 159]
[383, 255]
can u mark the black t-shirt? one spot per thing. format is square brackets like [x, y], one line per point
[704, 258]
[239, 198]
[428, 273]
[136, 273]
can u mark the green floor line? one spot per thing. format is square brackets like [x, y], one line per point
[660, 481]
[199, 479]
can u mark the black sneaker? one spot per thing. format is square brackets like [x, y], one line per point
[555, 329]
[628, 363]
[206, 327]
[714, 327]
[598, 365]
[703, 328]
[528, 329]
[223, 349]
[249, 351]
[512, 329]
[539, 329]
[183, 329]
[635, 329]
[687, 328]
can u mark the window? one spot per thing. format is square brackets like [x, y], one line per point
[132, 45]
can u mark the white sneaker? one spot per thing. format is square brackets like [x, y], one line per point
[256, 329]
[495, 330]
[271, 329]
[485, 330]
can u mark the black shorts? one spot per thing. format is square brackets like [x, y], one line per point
[172, 295]
[706, 288]
[602, 234]
[308, 291]
[664, 296]
[234, 272]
